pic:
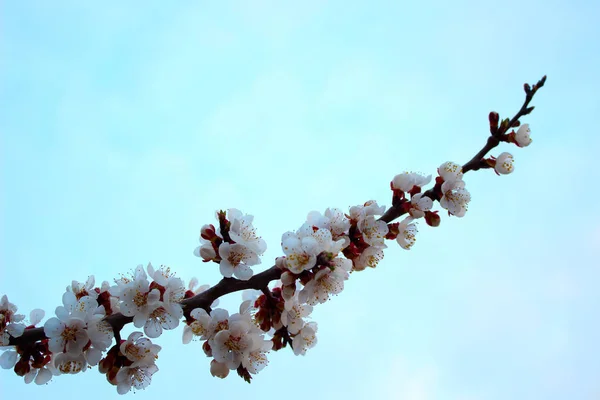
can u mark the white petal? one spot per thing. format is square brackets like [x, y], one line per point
[187, 334]
[36, 316]
[30, 376]
[8, 359]
[226, 269]
[53, 327]
[43, 376]
[93, 356]
[69, 300]
[152, 328]
[15, 330]
[243, 272]
[124, 387]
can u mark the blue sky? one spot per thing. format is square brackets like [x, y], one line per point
[124, 127]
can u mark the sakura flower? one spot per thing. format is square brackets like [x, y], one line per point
[305, 339]
[301, 253]
[419, 204]
[256, 358]
[406, 238]
[202, 326]
[99, 332]
[139, 350]
[293, 314]
[80, 289]
[161, 318]
[358, 213]
[236, 260]
[333, 220]
[370, 257]
[230, 344]
[373, 231]
[326, 282]
[9, 321]
[137, 300]
[69, 363]
[450, 171]
[138, 377]
[504, 164]
[522, 136]
[407, 180]
[455, 197]
[241, 231]
[68, 335]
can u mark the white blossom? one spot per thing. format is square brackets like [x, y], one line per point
[504, 164]
[406, 238]
[236, 261]
[450, 171]
[293, 314]
[80, 289]
[139, 350]
[326, 282]
[305, 339]
[419, 204]
[229, 345]
[10, 323]
[407, 180]
[138, 377]
[374, 231]
[301, 253]
[256, 359]
[455, 197]
[241, 231]
[370, 257]
[522, 136]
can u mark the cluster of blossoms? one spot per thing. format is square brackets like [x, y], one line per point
[236, 247]
[234, 341]
[318, 258]
[80, 334]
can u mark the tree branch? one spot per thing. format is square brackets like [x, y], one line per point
[260, 281]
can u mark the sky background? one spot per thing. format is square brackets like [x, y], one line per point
[125, 125]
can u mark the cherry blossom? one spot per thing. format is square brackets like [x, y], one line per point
[305, 339]
[9, 321]
[301, 252]
[522, 136]
[292, 316]
[408, 180]
[504, 164]
[406, 238]
[456, 198]
[373, 231]
[419, 204]
[236, 261]
[242, 231]
[370, 257]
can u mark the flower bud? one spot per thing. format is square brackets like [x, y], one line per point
[218, 369]
[432, 218]
[207, 252]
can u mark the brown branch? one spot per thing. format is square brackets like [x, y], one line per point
[260, 281]
[498, 135]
